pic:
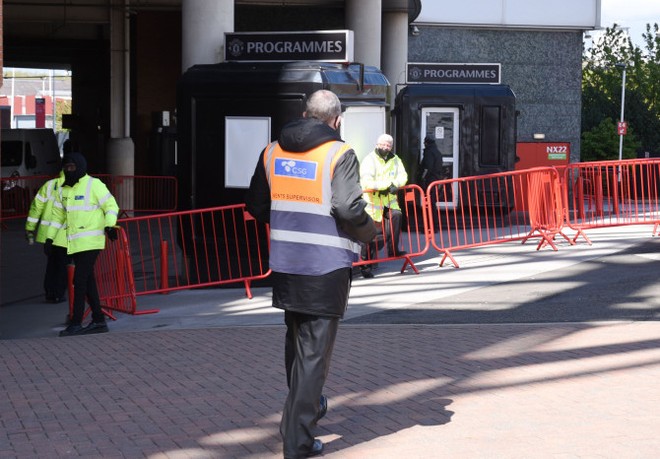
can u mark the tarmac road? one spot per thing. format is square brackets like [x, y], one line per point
[616, 278]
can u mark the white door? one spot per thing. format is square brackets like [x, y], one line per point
[441, 124]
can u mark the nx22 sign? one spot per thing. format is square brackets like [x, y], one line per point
[324, 45]
[418, 72]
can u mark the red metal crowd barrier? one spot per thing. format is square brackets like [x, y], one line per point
[134, 194]
[223, 245]
[142, 194]
[612, 193]
[114, 278]
[197, 248]
[17, 194]
[546, 206]
[413, 236]
[490, 209]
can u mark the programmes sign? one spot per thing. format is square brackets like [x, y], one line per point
[324, 46]
[417, 72]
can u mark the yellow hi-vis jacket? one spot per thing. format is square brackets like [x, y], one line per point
[82, 212]
[377, 174]
[304, 236]
[40, 215]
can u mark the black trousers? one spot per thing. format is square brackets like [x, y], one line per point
[308, 349]
[84, 285]
[56, 276]
[387, 237]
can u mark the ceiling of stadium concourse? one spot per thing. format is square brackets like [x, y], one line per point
[60, 13]
[42, 23]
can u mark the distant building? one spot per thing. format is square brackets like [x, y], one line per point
[20, 97]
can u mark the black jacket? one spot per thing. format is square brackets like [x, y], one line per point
[324, 295]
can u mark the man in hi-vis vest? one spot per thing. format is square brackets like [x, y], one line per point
[306, 186]
[39, 219]
[86, 211]
[382, 174]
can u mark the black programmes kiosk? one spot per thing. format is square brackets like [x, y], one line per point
[473, 125]
[228, 112]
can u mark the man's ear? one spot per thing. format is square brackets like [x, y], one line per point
[304, 114]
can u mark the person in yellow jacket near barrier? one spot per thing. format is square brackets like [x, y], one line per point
[85, 211]
[382, 174]
[39, 219]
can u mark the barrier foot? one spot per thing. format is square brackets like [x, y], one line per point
[147, 311]
[530, 234]
[406, 262]
[655, 229]
[583, 234]
[571, 242]
[107, 313]
[547, 241]
[448, 255]
[248, 292]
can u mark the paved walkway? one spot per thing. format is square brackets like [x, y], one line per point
[404, 391]
[452, 363]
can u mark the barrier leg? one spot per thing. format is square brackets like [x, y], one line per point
[407, 262]
[248, 292]
[446, 255]
[164, 267]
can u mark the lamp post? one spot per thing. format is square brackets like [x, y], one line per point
[623, 104]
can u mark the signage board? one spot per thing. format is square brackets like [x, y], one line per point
[321, 45]
[39, 112]
[622, 128]
[420, 72]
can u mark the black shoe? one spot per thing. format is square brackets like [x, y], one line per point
[95, 327]
[316, 449]
[58, 299]
[367, 274]
[72, 330]
[323, 408]
[399, 253]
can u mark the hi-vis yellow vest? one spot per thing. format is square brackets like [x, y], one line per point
[304, 237]
[83, 211]
[41, 211]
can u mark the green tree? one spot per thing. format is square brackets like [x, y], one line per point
[598, 144]
[63, 108]
[601, 93]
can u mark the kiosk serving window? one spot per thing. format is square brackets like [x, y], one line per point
[245, 137]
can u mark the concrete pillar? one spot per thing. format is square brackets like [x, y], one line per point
[119, 71]
[121, 154]
[120, 160]
[363, 18]
[204, 23]
[395, 48]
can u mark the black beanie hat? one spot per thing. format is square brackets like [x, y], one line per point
[81, 167]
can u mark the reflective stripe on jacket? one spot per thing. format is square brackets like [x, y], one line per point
[304, 236]
[40, 216]
[378, 174]
[83, 211]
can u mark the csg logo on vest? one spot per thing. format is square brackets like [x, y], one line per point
[296, 169]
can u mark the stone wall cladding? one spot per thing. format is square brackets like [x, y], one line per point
[543, 68]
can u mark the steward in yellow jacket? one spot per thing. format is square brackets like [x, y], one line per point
[381, 175]
[86, 211]
[40, 219]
